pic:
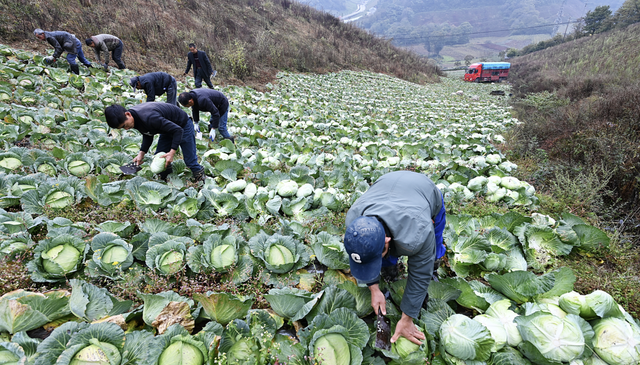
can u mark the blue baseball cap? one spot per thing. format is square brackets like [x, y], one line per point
[364, 242]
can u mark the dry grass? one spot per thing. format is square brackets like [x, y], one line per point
[246, 40]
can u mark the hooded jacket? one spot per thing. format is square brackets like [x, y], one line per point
[407, 202]
[159, 118]
[105, 43]
[209, 100]
[62, 42]
[155, 84]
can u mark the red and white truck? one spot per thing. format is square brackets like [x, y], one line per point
[487, 72]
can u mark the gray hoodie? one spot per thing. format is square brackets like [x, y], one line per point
[407, 202]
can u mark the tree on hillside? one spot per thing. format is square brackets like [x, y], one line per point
[467, 59]
[627, 14]
[597, 21]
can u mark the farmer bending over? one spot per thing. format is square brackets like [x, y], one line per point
[402, 214]
[155, 84]
[63, 42]
[172, 124]
[211, 101]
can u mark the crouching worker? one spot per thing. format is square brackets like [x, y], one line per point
[402, 214]
[62, 41]
[212, 101]
[172, 124]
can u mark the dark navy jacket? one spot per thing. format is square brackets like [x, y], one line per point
[159, 118]
[209, 100]
[204, 63]
[407, 202]
[155, 84]
[61, 41]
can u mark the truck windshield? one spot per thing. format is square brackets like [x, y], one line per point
[471, 71]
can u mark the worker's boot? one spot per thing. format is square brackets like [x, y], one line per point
[198, 176]
[232, 139]
[164, 174]
[75, 69]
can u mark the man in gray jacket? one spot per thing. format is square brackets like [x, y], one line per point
[402, 214]
[63, 42]
[107, 43]
[155, 84]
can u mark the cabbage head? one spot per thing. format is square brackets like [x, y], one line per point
[98, 353]
[237, 185]
[332, 349]
[547, 337]
[280, 256]
[167, 257]
[215, 254]
[304, 191]
[287, 188]
[158, 164]
[279, 253]
[180, 352]
[403, 347]
[465, 338]
[56, 258]
[79, 168]
[47, 169]
[58, 199]
[223, 257]
[617, 341]
[60, 259]
[111, 255]
[336, 338]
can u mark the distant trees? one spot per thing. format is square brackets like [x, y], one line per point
[467, 59]
[597, 21]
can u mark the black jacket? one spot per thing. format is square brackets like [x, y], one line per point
[204, 63]
[155, 84]
[159, 118]
[61, 41]
[209, 100]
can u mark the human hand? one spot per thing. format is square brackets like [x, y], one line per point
[378, 301]
[49, 60]
[138, 159]
[169, 158]
[408, 330]
[212, 134]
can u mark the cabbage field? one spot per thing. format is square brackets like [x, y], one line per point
[267, 223]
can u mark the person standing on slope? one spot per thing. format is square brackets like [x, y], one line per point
[202, 69]
[402, 214]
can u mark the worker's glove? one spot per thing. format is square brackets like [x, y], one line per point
[212, 134]
[106, 67]
[49, 60]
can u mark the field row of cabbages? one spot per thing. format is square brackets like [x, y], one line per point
[304, 151]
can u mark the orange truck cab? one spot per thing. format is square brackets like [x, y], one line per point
[487, 72]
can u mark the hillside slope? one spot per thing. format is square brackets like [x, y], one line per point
[593, 118]
[247, 40]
